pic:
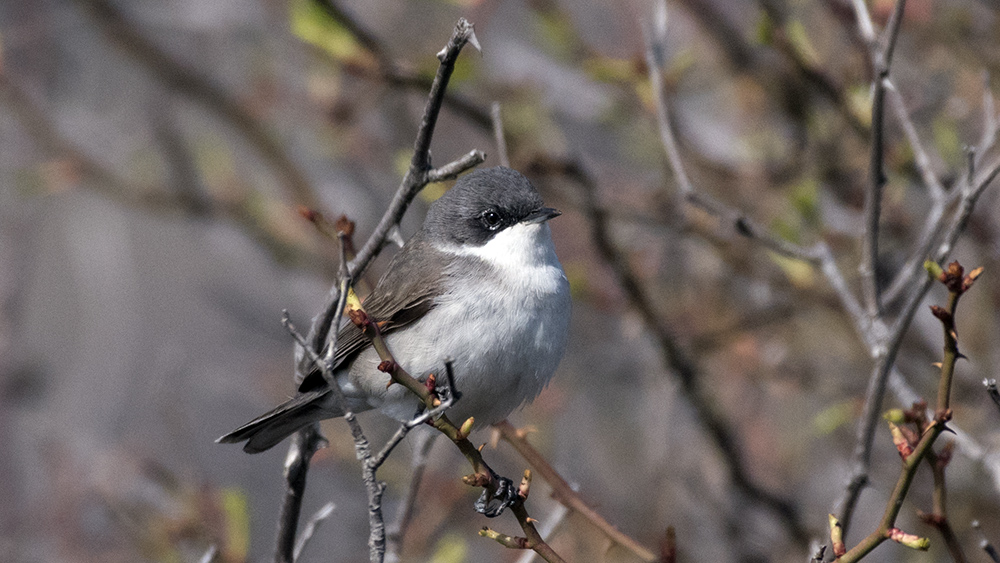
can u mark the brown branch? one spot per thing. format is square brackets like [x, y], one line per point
[404, 514]
[417, 177]
[498, 135]
[881, 62]
[913, 454]
[675, 358]
[564, 493]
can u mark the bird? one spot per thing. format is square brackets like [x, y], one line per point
[480, 284]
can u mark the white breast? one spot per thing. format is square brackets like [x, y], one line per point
[506, 333]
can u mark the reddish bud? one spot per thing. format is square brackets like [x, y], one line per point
[359, 318]
[942, 314]
[909, 540]
[308, 214]
[344, 225]
[970, 279]
[900, 441]
[387, 366]
[431, 383]
[837, 536]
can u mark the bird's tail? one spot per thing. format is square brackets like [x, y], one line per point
[268, 429]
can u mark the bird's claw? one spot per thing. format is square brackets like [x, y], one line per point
[493, 505]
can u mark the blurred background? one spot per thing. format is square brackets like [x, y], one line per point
[153, 159]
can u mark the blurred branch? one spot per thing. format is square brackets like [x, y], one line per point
[991, 390]
[564, 493]
[310, 528]
[882, 62]
[818, 255]
[746, 58]
[674, 356]
[204, 90]
[938, 518]
[883, 341]
[306, 441]
[397, 530]
[151, 198]
[498, 136]
[209, 554]
[985, 544]
[417, 177]
[304, 444]
[390, 72]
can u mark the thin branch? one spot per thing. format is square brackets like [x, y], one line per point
[920, 156]
[990, 122]
[865, 27]
[881, 62]
[551, 522]
[984, 543]
[397, 530]
[654, 60]
[914, 453]
[310, 528]
[564, 493]
[417, 177]
[675, 357]
[991, 390]
[209, 554]
[391, 73]
[861, 458]
[498, 136]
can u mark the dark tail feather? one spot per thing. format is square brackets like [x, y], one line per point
[268, 429]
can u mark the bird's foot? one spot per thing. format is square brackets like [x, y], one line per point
[493, 504]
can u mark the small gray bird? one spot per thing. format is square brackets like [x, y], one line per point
[479, 283]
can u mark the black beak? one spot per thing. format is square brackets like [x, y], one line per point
[541, 215]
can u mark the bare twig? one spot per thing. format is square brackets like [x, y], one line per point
[914, 451]
[498, 136]
[675, 357]
[881, 62]
[397, 530]
[551, 522]
[417, 177]
[865, 27]
[991, 390]
[393, 74]
[861, 458]
[310, 528]
[985, 544]
[209, 554]
[654, 60]
[564, 493]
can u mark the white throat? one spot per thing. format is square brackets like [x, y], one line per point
[519, 251]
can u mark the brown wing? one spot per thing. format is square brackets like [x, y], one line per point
[405, 293]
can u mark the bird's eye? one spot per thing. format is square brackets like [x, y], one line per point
[491, 219]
